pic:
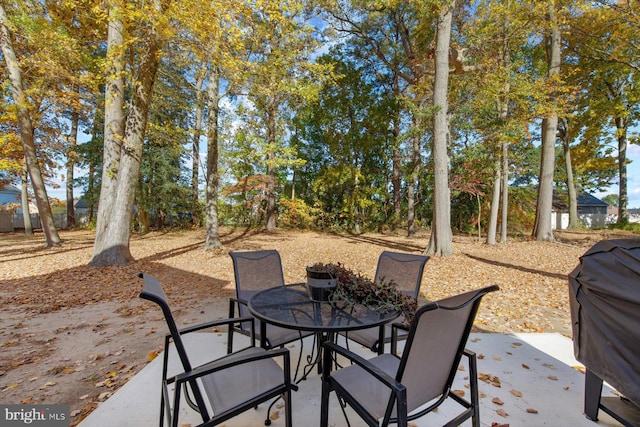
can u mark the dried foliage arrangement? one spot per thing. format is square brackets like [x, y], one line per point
[354, 288]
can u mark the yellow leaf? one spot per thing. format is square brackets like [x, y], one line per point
[152, 355]
[502, 413]
[516, 393]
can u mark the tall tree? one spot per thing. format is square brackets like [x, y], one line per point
[604, 40]
[542, 230]
[111, 246]
[27, 131]
[113, 126]
[281, 74]
[441, 234]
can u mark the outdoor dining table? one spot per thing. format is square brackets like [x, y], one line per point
[290, 307]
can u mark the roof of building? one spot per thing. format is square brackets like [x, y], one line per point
[10, 189]
[586, 199]
[583, 200]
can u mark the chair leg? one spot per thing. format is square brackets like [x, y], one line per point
[324, 405]
[288, 419]
[473, 385]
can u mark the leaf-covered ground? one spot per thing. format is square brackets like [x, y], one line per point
[74, 334]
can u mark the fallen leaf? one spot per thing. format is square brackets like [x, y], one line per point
[274, 415]
[495, 424]
[580, 369]
[459, 393]
[152, 355]
[516, 393]
[497, 401]
[532, 411]
[502, 413]
[553, 378]
[525, 366]
[497, 358]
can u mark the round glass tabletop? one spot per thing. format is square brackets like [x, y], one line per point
[291, 307]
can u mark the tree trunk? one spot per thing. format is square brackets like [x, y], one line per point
[441, 235]
[72, 140]
[26, 215]
[495, 205]
[26, 133]
[542, 229]
[412, 184]
[623, 198]
[112, 247]
[395, 173]
[271, 115]
[505, 192]
[212, 239]
[113, 129]
[195, 161]
[571, 188]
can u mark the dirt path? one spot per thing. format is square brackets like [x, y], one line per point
[73, 334]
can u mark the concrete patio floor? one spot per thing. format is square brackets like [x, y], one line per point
[540, 385]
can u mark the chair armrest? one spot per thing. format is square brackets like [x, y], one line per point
[220, 364]
[234, 301]
[214, 323]
[376, 372]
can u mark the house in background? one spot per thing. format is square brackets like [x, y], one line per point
[592, 212]
[9, 194]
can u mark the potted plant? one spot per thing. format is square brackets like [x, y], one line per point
[320, 283]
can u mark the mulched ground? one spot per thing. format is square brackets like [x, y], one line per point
[74, 334]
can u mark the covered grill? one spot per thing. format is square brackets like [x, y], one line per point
[605, 313]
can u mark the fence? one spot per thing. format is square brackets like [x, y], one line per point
[9, 222]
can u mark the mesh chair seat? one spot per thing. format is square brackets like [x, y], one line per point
[234, 385]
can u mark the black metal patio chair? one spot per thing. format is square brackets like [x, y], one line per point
[231, 384]
[405, 270]
[400, 389]
[256, 271]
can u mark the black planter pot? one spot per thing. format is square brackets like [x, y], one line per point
[320, 284]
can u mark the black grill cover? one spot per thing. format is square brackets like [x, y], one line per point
[605, 313]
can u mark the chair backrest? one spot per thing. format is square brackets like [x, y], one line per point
[153, 292]
[403, 269]
[255, 271]
[434, 347]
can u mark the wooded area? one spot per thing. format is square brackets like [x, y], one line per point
[467, 116]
